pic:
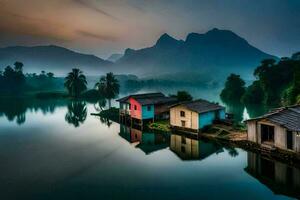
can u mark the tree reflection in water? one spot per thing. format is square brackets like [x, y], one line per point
[100, 105]
[77, 113]
[15, 109]
[232, 151]
[106, 121]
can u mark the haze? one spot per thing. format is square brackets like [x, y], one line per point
[103, 27]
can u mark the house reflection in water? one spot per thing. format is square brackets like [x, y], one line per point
[279, 177]
[146, 141]
[189, 147]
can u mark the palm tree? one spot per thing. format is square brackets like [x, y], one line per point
[77, 113]
[75, 82]
[108, 86]
[101, 104]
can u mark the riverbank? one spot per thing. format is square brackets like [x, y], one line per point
[230, 135]
[89, 95]
[235, 137]
[239, 139]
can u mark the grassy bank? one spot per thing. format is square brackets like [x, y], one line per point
[161, 126]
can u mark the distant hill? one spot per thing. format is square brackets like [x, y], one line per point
[114, 57]
[210, 55]
[52, 58]
[216, 52]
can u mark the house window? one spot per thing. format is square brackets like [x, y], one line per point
[183, 149]
[183, 140]
[182, 123]
[129, 106]
[135, 107]
[148, 108]
[182, 114]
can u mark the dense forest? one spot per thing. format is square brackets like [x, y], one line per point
[277, 83]
[14, 82]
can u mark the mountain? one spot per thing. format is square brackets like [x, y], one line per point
[56, 59]
[114, 57]
[217, 51]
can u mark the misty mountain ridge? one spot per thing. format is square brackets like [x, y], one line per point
[114, 57]
[218, 51]
[52, 58]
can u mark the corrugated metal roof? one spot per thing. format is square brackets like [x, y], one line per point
[201, 106]
[149, 98]
[288, 117]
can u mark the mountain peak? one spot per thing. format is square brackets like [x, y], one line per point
[222, 34]
[166, 40]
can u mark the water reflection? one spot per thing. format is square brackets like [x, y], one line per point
[77, 113]
[185, 146]
[279, 177]
[14, 109]
[190, 147]
[145, 141]
[106, 121]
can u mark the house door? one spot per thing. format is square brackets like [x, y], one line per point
[267, 133]
[289, 140]
[217, 115]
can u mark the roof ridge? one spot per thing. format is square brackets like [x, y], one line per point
[294, 110]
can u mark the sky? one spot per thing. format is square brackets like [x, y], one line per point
[103, 27]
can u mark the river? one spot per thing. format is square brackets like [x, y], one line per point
[54, 149]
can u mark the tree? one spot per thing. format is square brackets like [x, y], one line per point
[254, 94]
[14, 79]
[183, 96]
[75, 82]
[234, 89]
[18, 66]
[77, 113]
[292, 93]
[296, 56]
[50, 75]
[108, 87]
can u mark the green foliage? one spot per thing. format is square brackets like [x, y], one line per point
[43, 82]
[108, 87]
[90, 94]
[50, 95]
[162, 126]
[277, 83]
[274, 78]
[183, 96]
[298, 99]
[234, 89]
[296, 56]
[254, 94]
[75, 82]
[12, 80]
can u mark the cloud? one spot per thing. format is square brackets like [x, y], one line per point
[95, 9]
[96, 36]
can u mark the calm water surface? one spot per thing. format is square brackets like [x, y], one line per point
[57, 150]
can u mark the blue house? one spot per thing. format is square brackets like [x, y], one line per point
[143, 107]
[195, 115]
